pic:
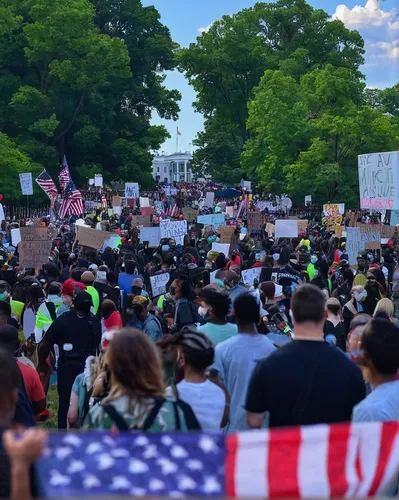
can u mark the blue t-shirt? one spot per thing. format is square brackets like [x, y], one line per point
[218, 333]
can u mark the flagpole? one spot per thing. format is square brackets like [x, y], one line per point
[177, 139]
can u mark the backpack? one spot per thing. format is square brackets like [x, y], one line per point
[189, 416]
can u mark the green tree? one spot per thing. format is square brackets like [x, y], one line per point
[227, 63]
[82, 78]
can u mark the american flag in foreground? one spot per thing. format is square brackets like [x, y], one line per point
[64, 176]
[48, 186]
[324, 461]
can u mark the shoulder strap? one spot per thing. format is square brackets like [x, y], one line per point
[153, 414]
[189, 416]
[117, 419]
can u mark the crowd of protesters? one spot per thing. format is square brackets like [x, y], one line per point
[313, 340]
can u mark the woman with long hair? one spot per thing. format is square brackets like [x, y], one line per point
[137, 397]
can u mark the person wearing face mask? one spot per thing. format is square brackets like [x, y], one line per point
[67, 293]
[374, 293]
[354, 306]
[214, 309]
[311, 270]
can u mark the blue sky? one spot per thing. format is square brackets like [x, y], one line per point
[377, 21]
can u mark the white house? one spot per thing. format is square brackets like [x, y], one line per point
[172, 168]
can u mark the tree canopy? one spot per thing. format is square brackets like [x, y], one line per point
[284, 101]
[82, 78]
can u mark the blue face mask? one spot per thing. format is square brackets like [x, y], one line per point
[313, 260]
[165, 248]
[3, 296]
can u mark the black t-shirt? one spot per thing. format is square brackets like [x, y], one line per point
[284, 276]
[305, 383]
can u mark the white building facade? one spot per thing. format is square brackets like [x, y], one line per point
[172, 168]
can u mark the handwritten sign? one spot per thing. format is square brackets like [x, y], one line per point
[34, 247]
[144, 202]
[370, 236]
[141, 220]
[33, 233]
[286, 228]
[250, 275]
[190, 214]
[308, 199]
[255, 221]
[15, 236]
[88, 237]
[150, 234]
[98, 180]
[215, 220]
[354, 244]
[176, 230]
[226, 233]
[26, 183]
[379, 180]
[221, 248]
[132, 190]
[158, 284]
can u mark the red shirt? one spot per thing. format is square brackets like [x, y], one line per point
[114, 321]
[33, 386]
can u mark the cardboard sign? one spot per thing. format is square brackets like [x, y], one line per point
[221, 248]
[88, 237]
[286, 228]
[255, 221]
[150, 234]
[379, 180]
[34, 253]
[354, 244]
[176, 230]
[226, 233]
[147, 211]
[215, 220]
[302, 225]
[26, 183]
[190, 214]
[158, 284]
[370, 236]
[34, 233]
[141, 220]
[132, 190]
[116, 201]
[250, 275]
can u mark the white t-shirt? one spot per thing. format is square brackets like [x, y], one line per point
[207, 401]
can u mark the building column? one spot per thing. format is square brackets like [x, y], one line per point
[185, 170]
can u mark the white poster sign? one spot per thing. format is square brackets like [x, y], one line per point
[15, 236]
[176, 230]
[379, 180]
[91, 182]
[250, 275]
[286, 228]
[26, 183]
[221, 248]
[308, 199]
[132, 190]
[209, 199]
[354, 244]
[394, 218]
[150, 234]
[158, 284]
[144, 202]
[98, 180]
[215, 220]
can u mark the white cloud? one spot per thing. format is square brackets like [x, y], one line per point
[389, 49]
[369, 15]
[204, 30]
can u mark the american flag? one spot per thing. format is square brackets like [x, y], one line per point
[352, 461]
[48, 186]
[72, 202]
[64, 176]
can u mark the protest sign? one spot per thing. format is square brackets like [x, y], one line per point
[98, 180]
[334, 213]
[33, 233]
[176, 230]
[147, 211]
[370, 236]
[158, 284]
[141, 220]
[131, 190]
[387, 231]
[150, 234]
[230, 211]
[226, 232]
[26, 183]
[394, 218]
[308, 199]
[91, 182]
[15, 236]
[245, 185]
[221, 248]
[354, 244]
[116, 201]
[338, 231]
[190, 214]
[209, 199]
[379, 180]
[270, 228]
[250, 275]
[215, 220]
[117, 210]
[34, 247]
[112, 242]
[302, 225]
[255, 221]
[144, 202]
[286, 228]
[88, 237]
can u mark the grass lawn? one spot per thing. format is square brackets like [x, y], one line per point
[52, 405]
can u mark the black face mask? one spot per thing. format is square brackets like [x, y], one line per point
[136, 290]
